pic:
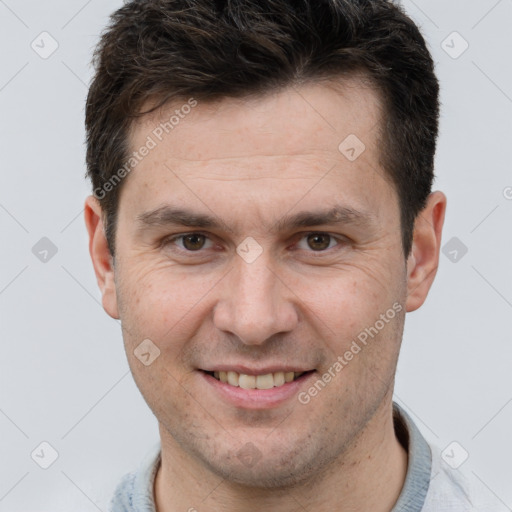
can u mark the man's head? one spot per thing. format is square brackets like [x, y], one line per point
[263, 229]
[161, 51]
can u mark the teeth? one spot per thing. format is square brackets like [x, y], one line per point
[267, 381]
[232, 378]
[279, 379]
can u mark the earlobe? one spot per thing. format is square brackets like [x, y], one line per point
[424, 258]
[100, 255]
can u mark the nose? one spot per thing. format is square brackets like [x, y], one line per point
[256, 303]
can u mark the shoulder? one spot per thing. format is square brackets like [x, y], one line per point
[134, 492]
[123, 494]
[458, 489]
[435, 483]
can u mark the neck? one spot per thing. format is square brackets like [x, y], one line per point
[368, 476]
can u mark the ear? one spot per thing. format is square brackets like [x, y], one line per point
[423, 260]
[100, 254]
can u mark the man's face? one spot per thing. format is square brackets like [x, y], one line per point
[290, 297]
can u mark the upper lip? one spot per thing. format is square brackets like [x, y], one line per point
[246, 370]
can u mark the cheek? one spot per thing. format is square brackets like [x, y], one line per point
[343, 301]
[159, 303]
[346, 311]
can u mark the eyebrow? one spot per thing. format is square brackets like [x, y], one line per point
[338, 215]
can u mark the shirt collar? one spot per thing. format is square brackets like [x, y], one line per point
[419, 466]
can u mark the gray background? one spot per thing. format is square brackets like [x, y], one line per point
[64, 377]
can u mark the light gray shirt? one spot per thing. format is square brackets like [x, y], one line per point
[431, 485]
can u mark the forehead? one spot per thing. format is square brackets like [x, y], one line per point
[284, 141]
[312, 117]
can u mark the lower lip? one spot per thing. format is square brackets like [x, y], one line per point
[257, 398]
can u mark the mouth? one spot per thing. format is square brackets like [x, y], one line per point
[267, 381]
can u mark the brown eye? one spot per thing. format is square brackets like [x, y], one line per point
[193, 241]
[188, 243]
[319, 241]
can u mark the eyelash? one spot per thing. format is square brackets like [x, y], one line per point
[340, 242]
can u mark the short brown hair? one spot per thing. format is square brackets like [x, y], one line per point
[165, 50]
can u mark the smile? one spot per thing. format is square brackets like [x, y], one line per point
[267, 381]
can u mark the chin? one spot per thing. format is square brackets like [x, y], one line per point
[263, 477]
[271, 470]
